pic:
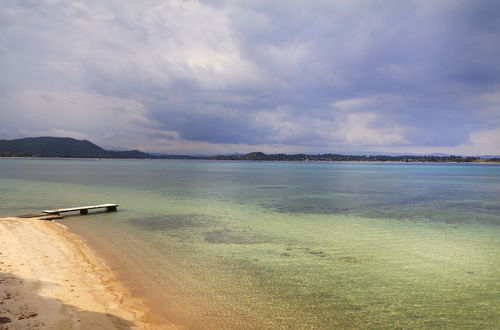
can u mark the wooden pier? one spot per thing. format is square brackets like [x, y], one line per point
[82, 209]
[56, 213]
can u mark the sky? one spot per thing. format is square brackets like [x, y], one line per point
[218, 77]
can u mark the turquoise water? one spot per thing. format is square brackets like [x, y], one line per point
[215, 244]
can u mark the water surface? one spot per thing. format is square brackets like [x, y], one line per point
[216, 244]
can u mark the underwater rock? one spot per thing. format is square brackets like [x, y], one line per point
[318, 253]
[349, 259]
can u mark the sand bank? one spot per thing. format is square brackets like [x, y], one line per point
[49, 279]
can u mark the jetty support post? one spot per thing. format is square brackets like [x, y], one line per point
[111, 209]
[84, 211]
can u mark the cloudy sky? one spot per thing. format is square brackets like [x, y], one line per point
[253, 75]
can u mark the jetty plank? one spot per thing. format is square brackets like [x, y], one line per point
[83, 209]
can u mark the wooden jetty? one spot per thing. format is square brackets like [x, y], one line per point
[82, 209]
[56, 213]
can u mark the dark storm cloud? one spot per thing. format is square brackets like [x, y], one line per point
[322, 75]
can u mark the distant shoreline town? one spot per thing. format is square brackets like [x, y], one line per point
[63, 147]
[353, 158]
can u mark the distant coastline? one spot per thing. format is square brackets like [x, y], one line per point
[57, 147]
[259, 156]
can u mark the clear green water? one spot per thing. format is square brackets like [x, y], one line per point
[286, 245]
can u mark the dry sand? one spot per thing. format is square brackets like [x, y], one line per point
[49, 279]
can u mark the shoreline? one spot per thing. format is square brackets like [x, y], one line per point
[477, 161]
[49, 278]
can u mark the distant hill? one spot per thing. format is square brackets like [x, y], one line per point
[61, 147]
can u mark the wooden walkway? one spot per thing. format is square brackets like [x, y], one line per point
[83, 209]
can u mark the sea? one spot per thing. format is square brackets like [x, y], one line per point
[284, 245]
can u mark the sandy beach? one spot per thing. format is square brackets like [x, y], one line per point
[49, 279]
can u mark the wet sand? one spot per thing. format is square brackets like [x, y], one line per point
[50, 279]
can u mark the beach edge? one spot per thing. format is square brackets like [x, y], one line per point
[43, 264]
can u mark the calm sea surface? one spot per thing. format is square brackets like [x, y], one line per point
[267, 245]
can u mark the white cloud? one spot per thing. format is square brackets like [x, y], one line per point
[483, 142]
[354, 103]
[353, 129]
[370, 129]
[373, 102]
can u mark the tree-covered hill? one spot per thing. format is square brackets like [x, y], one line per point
[61, 147]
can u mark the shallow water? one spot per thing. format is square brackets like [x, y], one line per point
[217, 244]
